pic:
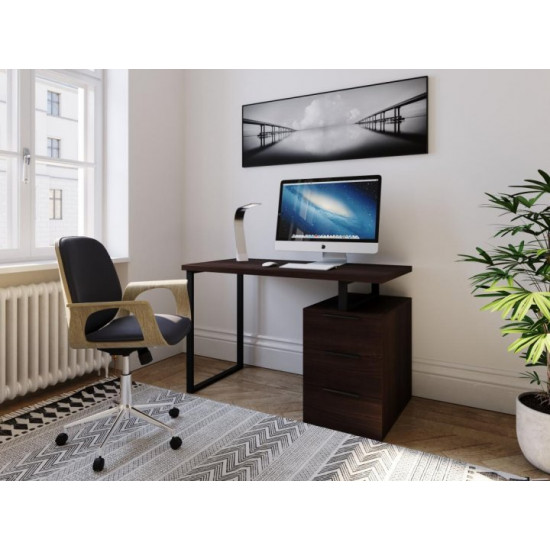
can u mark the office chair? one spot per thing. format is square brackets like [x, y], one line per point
[101, 316]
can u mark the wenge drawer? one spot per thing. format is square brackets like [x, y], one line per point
[346, 412]
[345, 372]
[344, 331]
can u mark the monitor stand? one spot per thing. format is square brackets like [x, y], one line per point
[328, 261]
[332, 258]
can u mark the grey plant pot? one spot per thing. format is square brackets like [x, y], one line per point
[533, 432]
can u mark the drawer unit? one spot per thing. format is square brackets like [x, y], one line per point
[357, 363]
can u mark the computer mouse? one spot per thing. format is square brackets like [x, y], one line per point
[269, 264]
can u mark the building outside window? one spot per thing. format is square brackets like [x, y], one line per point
[56, 191]
[54, 146]
[53, 103]
[56, 204]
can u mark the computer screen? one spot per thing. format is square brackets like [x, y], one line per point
[329, 215]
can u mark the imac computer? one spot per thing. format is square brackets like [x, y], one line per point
[333, 216]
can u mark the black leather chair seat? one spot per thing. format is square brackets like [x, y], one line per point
[126, 329]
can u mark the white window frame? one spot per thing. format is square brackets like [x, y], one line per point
[11, 154]
[90, 157]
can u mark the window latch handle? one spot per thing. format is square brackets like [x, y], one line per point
[26, 164]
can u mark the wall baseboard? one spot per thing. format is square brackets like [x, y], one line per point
[480, 387]
[471, 386]
[260, 351]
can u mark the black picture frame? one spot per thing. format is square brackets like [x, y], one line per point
[377, 120]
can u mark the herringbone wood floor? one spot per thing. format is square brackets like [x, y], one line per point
[472, 435]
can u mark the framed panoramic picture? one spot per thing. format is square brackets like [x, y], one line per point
[379, 120]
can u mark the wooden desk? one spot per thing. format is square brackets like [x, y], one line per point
[374, 274]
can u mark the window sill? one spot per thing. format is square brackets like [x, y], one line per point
[44, 265]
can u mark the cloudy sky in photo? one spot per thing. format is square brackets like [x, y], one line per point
[334, 108]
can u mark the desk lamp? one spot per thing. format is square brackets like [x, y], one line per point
[240, 240]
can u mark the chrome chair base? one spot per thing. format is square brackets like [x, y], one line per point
[124, 409]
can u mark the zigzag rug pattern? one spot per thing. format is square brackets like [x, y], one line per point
[220, 443]
[251, 452]
[23, 421]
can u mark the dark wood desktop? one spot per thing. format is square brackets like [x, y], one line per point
[393, 318]
[375, 274]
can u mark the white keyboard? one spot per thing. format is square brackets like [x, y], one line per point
[320, 266]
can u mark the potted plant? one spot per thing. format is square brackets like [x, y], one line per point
[516, 279]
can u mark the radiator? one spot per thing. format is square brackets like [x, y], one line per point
[34, 351]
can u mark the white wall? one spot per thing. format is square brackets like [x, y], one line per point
[487, 130]
[156, 181]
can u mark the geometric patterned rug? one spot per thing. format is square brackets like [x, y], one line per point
[220, 443]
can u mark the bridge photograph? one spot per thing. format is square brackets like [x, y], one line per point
[377, 120]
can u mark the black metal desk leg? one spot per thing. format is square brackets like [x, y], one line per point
[190, 359]
[240, 320]
[190, 356]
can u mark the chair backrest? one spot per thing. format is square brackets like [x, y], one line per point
[88, 275]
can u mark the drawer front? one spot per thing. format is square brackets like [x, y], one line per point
[343, 332]
[343, 412]
[344, 372]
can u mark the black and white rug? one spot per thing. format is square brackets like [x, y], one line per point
[220, 443]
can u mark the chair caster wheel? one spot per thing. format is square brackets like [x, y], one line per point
[61, 439]
[99, 464]
[174, 413]
[175, 442]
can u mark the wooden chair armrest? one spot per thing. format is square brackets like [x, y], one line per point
[178, 287]
[142, 310]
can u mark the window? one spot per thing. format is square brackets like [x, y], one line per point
[50, 161]
[53, 147]
[53, 103]
[56, 204]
